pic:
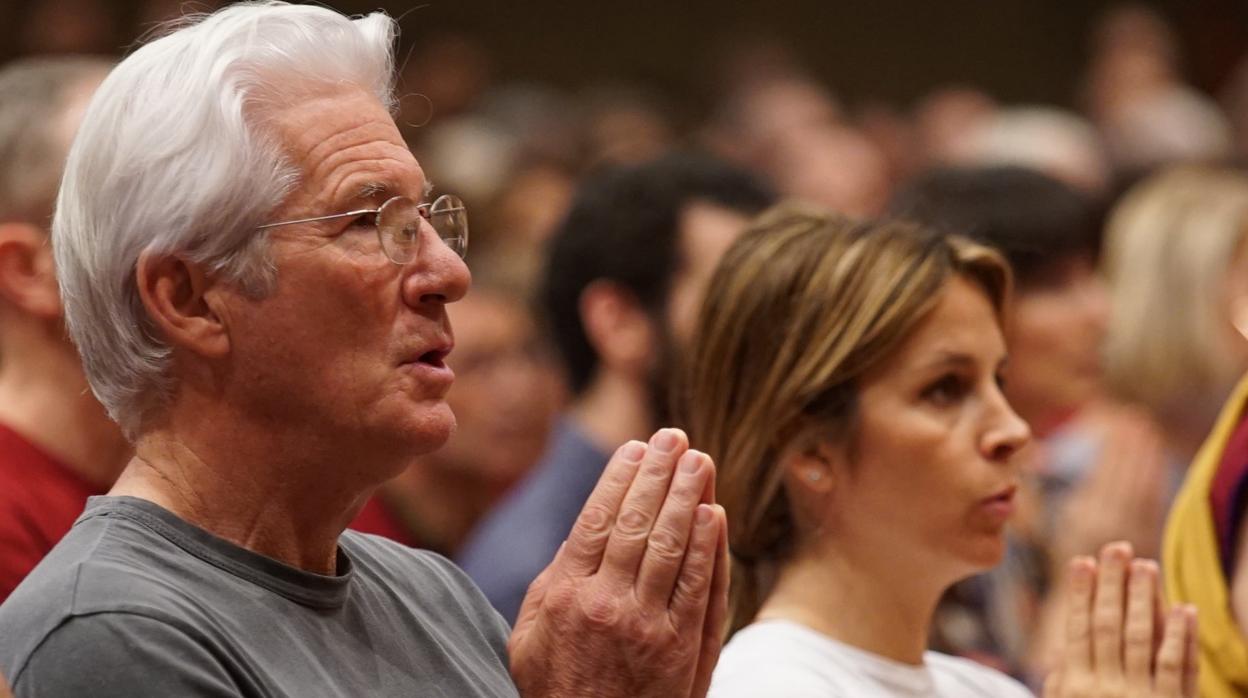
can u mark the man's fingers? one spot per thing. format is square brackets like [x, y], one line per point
[716, 611]
[665, 549]
[1138, 649]
[1170, 658]
[1107, 609]
[1078, 650]
[690, 597]
[629, 537]
[582, 554]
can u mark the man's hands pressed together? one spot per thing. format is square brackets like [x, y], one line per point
[634, 601]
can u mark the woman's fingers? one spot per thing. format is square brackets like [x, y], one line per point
[1138, 633]
[1107, 610]
[1078, 651]
[1171, 658]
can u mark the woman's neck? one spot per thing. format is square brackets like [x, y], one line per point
[863, 601]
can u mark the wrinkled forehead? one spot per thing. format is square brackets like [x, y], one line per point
[345, 145]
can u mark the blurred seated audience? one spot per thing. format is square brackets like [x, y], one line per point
[847, 379]
[1177, 265]
[57, 445]
[1206, 550]
[1058, 143]
[1097, 471]
[505, 397]
[1135, 93]
[623, 281]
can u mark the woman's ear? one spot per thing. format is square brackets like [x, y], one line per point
[810, 467]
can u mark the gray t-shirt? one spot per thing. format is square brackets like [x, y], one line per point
[136, 602]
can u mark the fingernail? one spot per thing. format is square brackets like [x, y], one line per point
[665, 441]
[691, 461]
[704, 515]
[633, 451]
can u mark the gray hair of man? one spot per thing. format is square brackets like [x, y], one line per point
[37, 98]
[176, 157]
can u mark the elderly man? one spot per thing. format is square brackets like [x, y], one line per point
[57, 445]
[258, 288]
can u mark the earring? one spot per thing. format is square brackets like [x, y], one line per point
[814, 475]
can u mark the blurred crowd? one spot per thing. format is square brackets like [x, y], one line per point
[1123, 215]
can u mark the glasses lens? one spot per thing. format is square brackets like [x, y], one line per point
[398, 225]
[450, 219]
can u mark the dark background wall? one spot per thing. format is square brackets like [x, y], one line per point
[1019, 50]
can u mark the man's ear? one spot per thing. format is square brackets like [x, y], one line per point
[175, 294]
[621, 333]
[27, 272]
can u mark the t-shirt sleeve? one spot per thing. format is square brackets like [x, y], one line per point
[121, 655]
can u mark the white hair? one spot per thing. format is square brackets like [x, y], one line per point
[174, 157]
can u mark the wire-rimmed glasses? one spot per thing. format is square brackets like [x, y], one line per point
[398, 224]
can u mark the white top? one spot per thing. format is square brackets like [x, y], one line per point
[782, 659]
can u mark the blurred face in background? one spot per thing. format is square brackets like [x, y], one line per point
[506, 392]
[1056, 333]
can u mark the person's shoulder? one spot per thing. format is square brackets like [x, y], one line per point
[774, 659]
[964, 677]
[424, 574]
[116, 654]
[428, 586]
[98, 567]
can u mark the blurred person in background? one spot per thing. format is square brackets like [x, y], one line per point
[1206, 550]
[1135, 93]
[57, 444]
[944, 120]
[792, 130]
[847, 379]
[1177, 265]
[623, 281]
[1097, 471]
[1058, 143]
[505, 398]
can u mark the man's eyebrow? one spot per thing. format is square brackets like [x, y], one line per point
[372, 190]
[381, 190]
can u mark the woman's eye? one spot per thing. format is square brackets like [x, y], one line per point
[946, 390]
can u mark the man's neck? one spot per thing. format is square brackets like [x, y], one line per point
[45, 398]
[874, 607]
[276, 497]
[612, 410]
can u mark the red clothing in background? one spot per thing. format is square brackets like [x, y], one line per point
[40, 498]
[377, 518]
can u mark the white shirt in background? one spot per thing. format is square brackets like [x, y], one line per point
[782, 659]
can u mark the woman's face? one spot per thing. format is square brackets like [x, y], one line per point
[930, 479]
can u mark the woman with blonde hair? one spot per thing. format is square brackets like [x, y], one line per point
[1177, 266]
[846, 380]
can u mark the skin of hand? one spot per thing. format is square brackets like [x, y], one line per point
[1122, 498]
[4, 689]
[635, 599]
[1120, 647]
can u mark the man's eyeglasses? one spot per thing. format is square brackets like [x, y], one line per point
[398, 224]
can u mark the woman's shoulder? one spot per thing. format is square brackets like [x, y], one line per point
[769, 659]
[963, 677]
